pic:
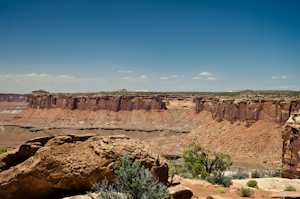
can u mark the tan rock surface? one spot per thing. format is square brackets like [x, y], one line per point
[49, 166]
[180, 192]
[285, 194]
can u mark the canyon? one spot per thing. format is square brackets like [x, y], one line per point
[250, 130]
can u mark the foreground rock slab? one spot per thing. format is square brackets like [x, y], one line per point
[52, 166]
[180, 192]
[285, 194]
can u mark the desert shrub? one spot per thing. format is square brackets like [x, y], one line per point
[252, 183]
[245, 192]
[240, 174]
[265, 196]
[219, 178]
[256, 174]
[132, 181]
[188, 175]
[2, 150]
[271, 173]
[204, 174]
[220, 191]
[198, 159]
[195, 196]
[289, 188]
[173, 169]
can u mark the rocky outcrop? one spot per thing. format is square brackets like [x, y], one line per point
[180, 192]
[8, 97]
[40, 91]
[291, 147]
[247, 110]
[50, 166]
[93, 103]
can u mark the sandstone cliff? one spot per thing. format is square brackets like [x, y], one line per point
[93, 103]
[247, 110]
[8, 97]
[291, 147]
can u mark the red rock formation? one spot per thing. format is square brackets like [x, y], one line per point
[247, 110]
[291, 147]
[93, 103]
[8, 97]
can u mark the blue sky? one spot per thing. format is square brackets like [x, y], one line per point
[92, 46]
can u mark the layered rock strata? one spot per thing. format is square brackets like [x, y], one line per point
[55, 165]
[291, 147]
[93, 103]
[247, 110]
[8, 97]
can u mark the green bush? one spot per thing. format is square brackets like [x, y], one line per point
[204, 174]
[220, 191]
[256, 174]
[289, 188]
[265, 196]
[219, 178]
[132, 181]
[252, 183]
[240, 174]
[245, 192]
[198, 159]
[2, 150]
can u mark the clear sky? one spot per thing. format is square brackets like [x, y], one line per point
[203, 45]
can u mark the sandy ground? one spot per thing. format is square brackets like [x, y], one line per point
[273, 184]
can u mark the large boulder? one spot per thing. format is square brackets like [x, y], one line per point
[291, 147]
[52, 166]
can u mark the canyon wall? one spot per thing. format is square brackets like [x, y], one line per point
[247, 110]
[93, 103]
[8, 97]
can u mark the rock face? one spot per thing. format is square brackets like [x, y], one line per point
[180, 192]
[50, 166]
[40, 91]
[247, 110]
[291, 147]
[8, 97]
[93, 103]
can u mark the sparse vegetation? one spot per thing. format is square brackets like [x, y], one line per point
[252, 183]
[219, 178]
[245, 192]
[132, 181]
[3, 150]
[289, 188]
[195, 196]
[173, 169]
[240, 174]
[219, 191]
[256, 174]
[204, 174]
[248, 94]
[265, 196]
[197, 159]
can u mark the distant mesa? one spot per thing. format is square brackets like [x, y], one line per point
[142, 90]
[40, 91]
[121, 90]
